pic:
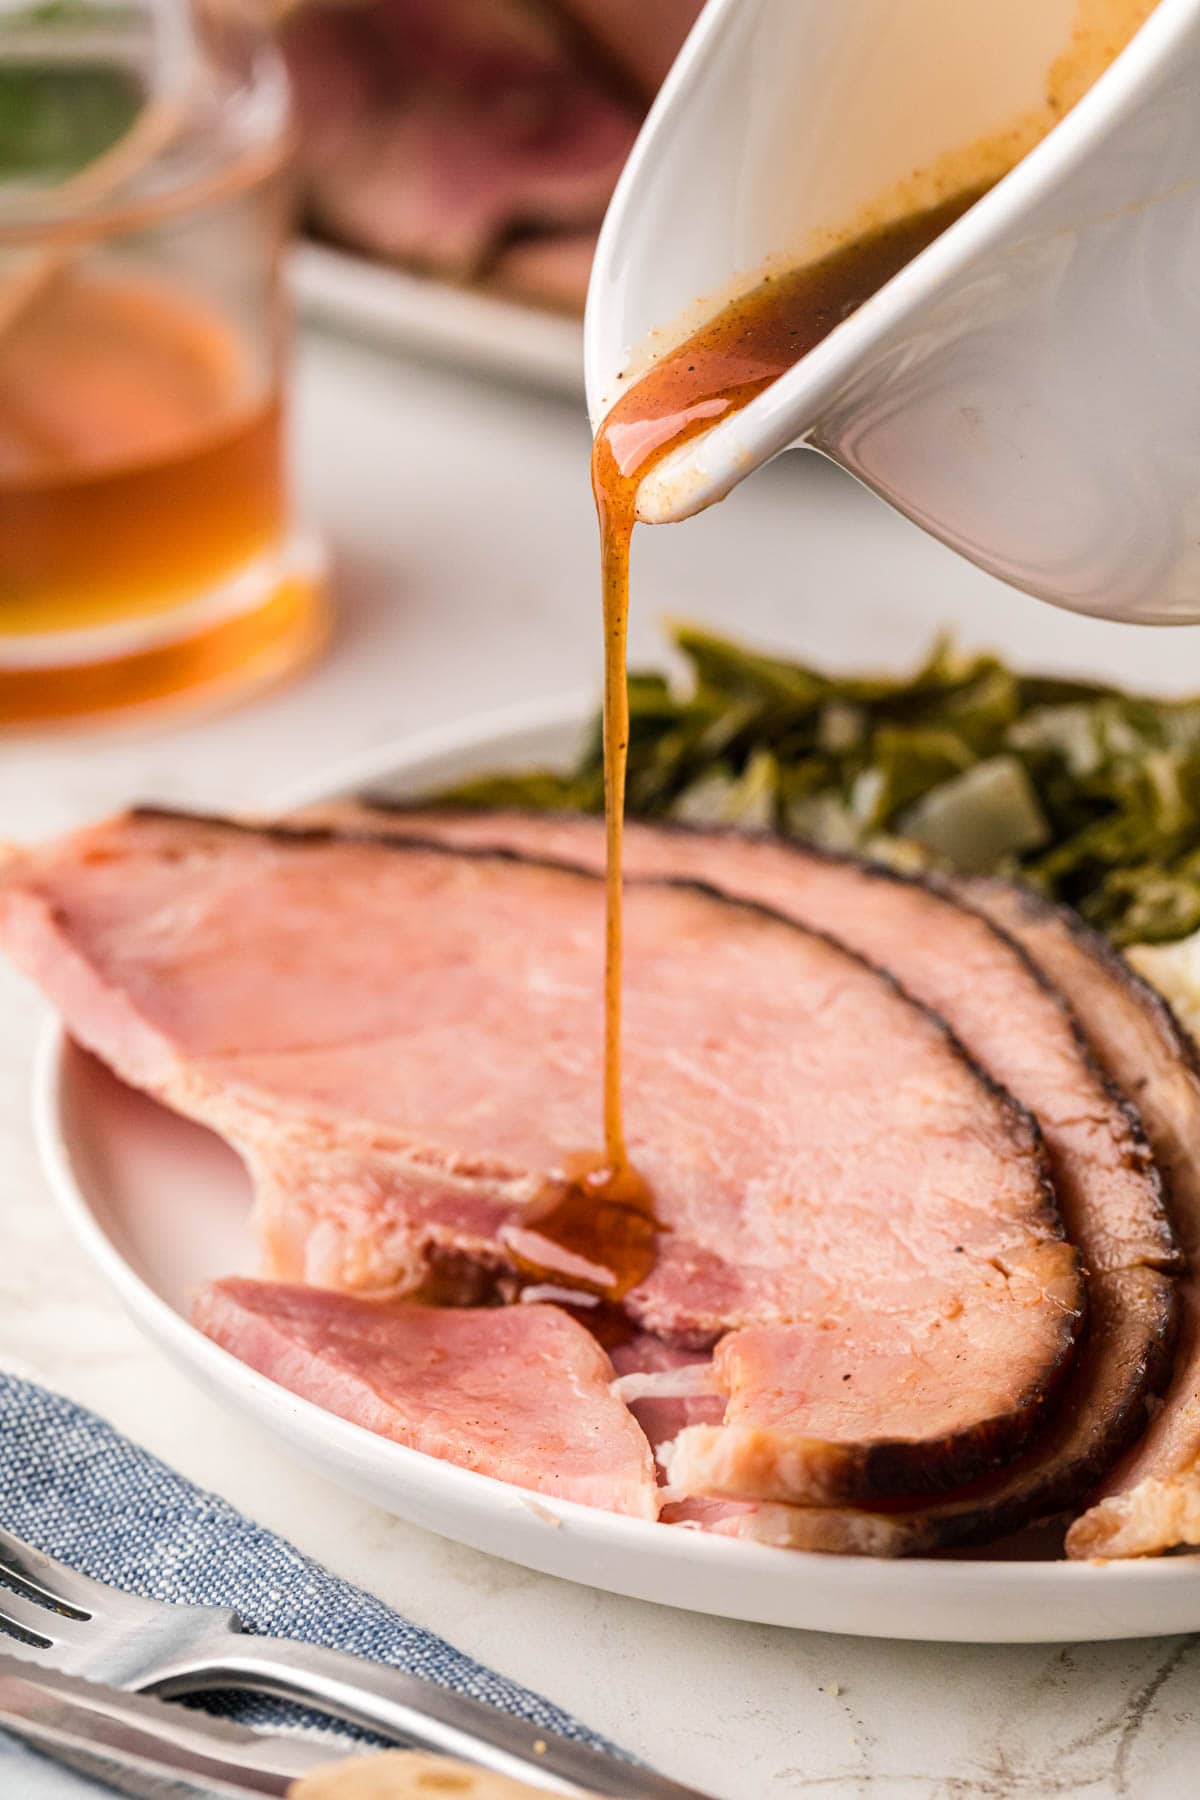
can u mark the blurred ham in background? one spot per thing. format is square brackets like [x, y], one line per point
[477, 140]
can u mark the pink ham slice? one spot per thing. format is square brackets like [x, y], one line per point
[403, 1043]
[786, 1383]
[432, 128]
[519, 1392]
[1119, 1355]
[1018, 1026]
[1151, 1500]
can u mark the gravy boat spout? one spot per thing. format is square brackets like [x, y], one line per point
[1027, 389]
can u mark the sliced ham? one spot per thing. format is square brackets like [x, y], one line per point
[944, 953]
[789, 1383]
[1021, 1030]
[403, 1042]
[430, 129]
[550, 269]
[643, 40]
[1151, 1500]
[1126, 1351]
[519, 1392]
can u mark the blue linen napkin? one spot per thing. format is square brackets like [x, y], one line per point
[74, 1487]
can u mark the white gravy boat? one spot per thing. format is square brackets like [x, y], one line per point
[1028, 388]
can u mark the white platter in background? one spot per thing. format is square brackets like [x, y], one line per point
[417, 313]
[161, 1207]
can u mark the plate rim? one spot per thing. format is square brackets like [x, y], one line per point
[893, 1582]
[358, 770]
[189, 1345]
[468, 329]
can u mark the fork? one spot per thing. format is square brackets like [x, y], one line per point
[53, 1615]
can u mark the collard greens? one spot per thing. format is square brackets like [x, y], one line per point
[1090, 794]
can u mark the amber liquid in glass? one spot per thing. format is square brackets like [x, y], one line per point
[132, 470]
[142, 500]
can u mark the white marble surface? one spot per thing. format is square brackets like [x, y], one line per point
[460, 512]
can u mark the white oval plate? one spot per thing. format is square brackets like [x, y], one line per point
[419, 315]
[161, 1204]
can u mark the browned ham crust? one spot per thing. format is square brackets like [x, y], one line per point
[1151, 1500]
[1019, 1027]
[1126, 1352]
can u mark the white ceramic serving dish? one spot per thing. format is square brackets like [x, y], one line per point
[419, 315]
[1025, 388]
[160, 1205]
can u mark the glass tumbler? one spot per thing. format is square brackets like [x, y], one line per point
[148, 552]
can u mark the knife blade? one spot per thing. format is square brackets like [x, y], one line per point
[148, 1747]
[125, 1773]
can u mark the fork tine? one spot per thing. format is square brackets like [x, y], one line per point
[18, 1610]
[31, 1571]
[13, 1623]
[24, 1652]
[43, 1577]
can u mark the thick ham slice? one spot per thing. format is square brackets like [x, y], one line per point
[1019, 1027]
[1151, 1500]
[403, 1043]
[519, 1392]
[786, 1383]
[430, 129]
[1119, 1356]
